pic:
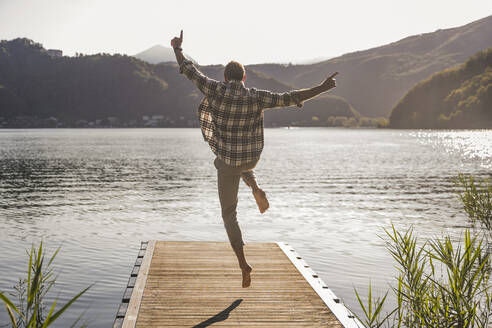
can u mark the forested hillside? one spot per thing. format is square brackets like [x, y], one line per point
[459, 97]
[84, 89]
[374, 80]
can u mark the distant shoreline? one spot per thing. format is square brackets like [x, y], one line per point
[270, 127]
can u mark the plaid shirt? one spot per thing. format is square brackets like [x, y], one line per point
[231, 115]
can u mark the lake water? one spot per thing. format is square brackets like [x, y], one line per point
[98, 193]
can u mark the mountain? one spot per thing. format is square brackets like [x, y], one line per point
[458, 97]
[158, 54]
[374, 80]
[102, 86]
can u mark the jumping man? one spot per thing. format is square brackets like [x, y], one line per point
[231, 120]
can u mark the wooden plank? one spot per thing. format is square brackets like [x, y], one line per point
[138, 290]
[197, 284]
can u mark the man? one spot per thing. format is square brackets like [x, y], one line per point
[231, 119]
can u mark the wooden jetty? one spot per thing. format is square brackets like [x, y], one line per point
[198, 284]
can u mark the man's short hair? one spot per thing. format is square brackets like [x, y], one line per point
[234, 71]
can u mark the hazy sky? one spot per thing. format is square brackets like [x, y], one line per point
[216, 31]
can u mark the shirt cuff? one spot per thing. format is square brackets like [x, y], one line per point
[184, 63]
[295, 97]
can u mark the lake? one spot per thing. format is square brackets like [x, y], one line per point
[97, 193]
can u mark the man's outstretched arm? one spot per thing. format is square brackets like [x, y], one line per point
[205, 84]
[270, 99]
[328, 84]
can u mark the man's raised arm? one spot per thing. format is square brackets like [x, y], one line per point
[270, 99]
[205, 84]
[178, 51]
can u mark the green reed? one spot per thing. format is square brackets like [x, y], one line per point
[476, 196]
[440, 283]
[31, 310]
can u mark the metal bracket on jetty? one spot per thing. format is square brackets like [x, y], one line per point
[198, 284]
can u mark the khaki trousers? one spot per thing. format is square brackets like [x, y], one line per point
[228, 185]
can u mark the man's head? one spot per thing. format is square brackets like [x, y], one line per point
[234, 71]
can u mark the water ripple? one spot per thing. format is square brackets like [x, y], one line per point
[98, 193]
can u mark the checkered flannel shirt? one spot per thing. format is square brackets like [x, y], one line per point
[231, 115]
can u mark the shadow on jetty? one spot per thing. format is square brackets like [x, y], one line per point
[221, 316]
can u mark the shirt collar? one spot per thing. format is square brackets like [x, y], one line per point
[235, 82]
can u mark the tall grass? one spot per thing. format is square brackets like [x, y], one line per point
[476, 197]
[440, 283]
[30, 310]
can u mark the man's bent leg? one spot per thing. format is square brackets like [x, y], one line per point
[260, 197]
[249, 179]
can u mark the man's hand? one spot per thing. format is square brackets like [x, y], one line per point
[176, 42]
[330, 82]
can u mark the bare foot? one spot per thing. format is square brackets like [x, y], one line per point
[247, 276]
[261, 200]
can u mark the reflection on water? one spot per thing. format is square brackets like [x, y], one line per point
[98, 193]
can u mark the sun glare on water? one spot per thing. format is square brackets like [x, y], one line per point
[473, 145]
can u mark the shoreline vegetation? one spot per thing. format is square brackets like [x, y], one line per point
[28, 308]
[441, 283]
[159, 121]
